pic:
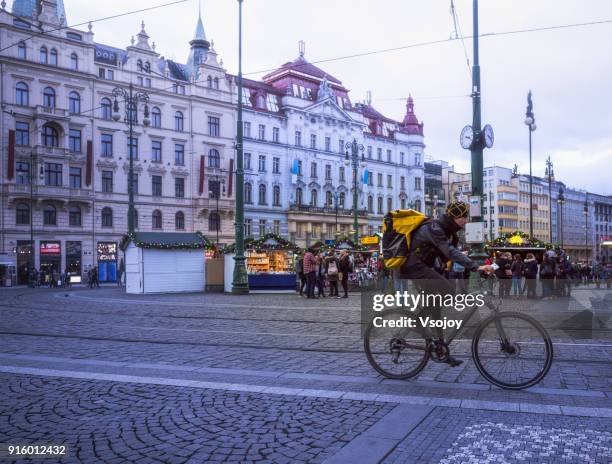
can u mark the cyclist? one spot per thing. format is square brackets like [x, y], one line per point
[434, 240]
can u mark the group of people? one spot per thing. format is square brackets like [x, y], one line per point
[318, 269]
[49, 278]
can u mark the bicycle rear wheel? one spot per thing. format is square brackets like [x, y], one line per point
[396, 353]
[512, 350]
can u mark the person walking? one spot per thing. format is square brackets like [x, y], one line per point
[547, 274]
[320, 273]
[504, 274]
[345, 267]
[517, 276]
[530, 271]
[299, 270]
[94, 277]
[332, 271]
[310, 271]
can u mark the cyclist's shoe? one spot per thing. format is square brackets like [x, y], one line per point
[453, 362]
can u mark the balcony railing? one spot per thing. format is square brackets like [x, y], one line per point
[326, 210]
[51, 111]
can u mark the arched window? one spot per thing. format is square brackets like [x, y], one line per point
[209, 80]
[22, 214]
[107, 217]
[74, 216]
[156, 219]
[178, 121]
[214, 221]
[329, 199]
[44, 56]
[216, 82]
[147, 67]
[139, 65]
[313, 197]
[214, 160]
[156, 117]
[106, 108]
[74, 102]
[21, 50]
[389, 204]
[50, 137]
[22, 94]
[49, 215]
[53, 57]
[380, 205]
[276, 196]
[49, 97]
[417, 205]
[74, 61]
[370, 204]
[262, 194]
[179, 220]
[248, 193]
[341, 200]
[298, 196]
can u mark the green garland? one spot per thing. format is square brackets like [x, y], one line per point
[203, 244]
[529, 242]
[260, 244]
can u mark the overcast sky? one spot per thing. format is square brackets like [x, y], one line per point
[568, 70]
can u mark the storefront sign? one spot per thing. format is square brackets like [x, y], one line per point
[107, 251]
[371, 240]
[50, 248]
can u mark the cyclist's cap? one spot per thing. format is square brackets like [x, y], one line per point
[458, 209]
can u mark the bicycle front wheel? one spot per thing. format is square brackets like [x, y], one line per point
[396, 353]
[512, 350]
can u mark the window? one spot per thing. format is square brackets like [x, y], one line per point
[262, 132]
[276, 227]
[417, 183]
[401, 157]
[179, 220]
[214, 159]
[74, 36]
[389, 204]
[214, 189]
[327, 143]
[380, 205]
[179, 154]
[262, 227]
[388, 156]
[74, 61]
[74, 102]
[22, 133]
[341, 199]
[156, 117]
[179, 187]
[299, 166]
[156, 151]
[313, 141]
[247, 161]
[272, 103]
[379, 178]
[133, 147]
[341, 146]
[276, 196]
[107, 181]
[276, 165]
[246, 129]
[209, 81]
[178, 121]
[369, 152]
[74, 140]
[107, 217]
[275, 134]
[106, 109]
[313, 170]
[370, 179]
[53, 174]
[74, 216]
[214, 126]
[49, 97]
[22, 94]
[417, 205]
[50, 136]
[417, 159]
[49, 215]
[248, 193]
[156, 219]
[328, 172]
[22, 214]
[44, 55]
[148, 82]
[23, 173]
[75, 177]
[214, 221]
[370, 204]
[389, 181]
[341, 174]
[147, 67]
[298, 196]
[379, 154]
[329, 200]
[156, 186]
[403, 203]
[110, 74]
[21, 51]
[298, 139]
[262, 163]
[101, 73]
[106, 143]
[313, 197]
[262, 194]
[402, 183]
[132, 112]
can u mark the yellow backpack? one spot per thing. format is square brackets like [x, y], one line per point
[397, 227]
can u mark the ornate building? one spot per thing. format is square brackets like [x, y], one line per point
[65, 158]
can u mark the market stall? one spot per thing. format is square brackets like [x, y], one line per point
[518, 242]
[269, 262]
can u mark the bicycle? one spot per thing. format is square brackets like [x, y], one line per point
[510, 350]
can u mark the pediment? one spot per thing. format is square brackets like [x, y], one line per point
[328, 108]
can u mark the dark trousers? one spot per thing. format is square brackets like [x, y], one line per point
[321, 285]
[311, 280]
[333, 288]
[531, 288]
[302, 282]
[344, 283]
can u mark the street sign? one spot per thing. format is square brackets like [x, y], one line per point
[474, 232]
[371, 240]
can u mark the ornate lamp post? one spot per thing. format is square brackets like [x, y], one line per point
[561, 201]
[530, 123]
[550, 175]
[353, 160]
[130, 101]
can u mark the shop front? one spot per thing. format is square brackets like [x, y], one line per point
[50, 260]
[74, 261]
[107, 261]
[24, 255]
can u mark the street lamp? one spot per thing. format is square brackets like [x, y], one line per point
[586, 228]
[490, 215]
[130, 101]
[337, 233]
[550, 175]
[561, 201]
[530, 123]
[33, 169]
[353, 160]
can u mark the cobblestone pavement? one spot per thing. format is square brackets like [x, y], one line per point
[277, 378]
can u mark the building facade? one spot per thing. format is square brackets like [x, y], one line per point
[65, 155]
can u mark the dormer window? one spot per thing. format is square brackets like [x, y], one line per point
[147, 67]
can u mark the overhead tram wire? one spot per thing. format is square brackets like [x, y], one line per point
[459, 34]
[106, 18]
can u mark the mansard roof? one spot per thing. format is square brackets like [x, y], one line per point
[304, 67]
[178, 71]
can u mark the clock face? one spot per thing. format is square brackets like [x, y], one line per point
[467, 137]
[488, 136]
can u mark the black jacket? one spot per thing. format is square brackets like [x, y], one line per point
[437, 239]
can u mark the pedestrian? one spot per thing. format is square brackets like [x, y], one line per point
[95, 277]
[121, 270]
[299, 270]
[90, 277]
[331, 271]
[504, 274]
[310, 271]
[517, 276]
[345, 267]
[320, 274]
[564, 271]
[530, 271]
[547, 274]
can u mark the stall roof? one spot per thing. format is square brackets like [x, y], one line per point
[166, 240]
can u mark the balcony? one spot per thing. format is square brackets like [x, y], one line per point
[211, 203]
[54, 113]
[48, 192]
[50, 152]
[325, 210]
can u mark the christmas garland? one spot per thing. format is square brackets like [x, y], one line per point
[260, 244]
[518, 239]
[204, 243]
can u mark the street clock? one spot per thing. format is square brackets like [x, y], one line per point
[467, 137]
[488, 135]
